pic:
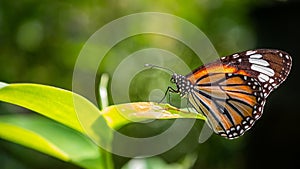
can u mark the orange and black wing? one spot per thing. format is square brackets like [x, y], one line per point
[230, 102]
[269, 67]
[231, 92]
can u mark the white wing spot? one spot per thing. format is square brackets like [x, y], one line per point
[235, 56]
[250, 52]
[256, 116]
[270, 88]
[268, 71]
[287, 57]
[259, 99]
[256, 56]
[259, 62]
[263, 77]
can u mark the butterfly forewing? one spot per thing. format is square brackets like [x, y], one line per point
[269, 67]
[231, 92]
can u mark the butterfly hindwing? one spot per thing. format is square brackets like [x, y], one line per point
[231, 103]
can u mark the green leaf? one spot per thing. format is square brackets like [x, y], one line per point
[78, 113]
[51, 138]
[54, 103]
[119, 115]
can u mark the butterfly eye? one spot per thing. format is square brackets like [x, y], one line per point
[172, 80]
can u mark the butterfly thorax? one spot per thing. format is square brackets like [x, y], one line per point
[184, 86]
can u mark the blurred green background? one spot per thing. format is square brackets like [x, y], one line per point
[40, 41]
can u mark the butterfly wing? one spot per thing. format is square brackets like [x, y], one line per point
[231, 102]
[270, 67]
[231, 92]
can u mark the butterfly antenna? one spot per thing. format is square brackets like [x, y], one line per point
[159, 67]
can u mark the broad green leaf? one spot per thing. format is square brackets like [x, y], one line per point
[62, 106]
[54, 103]
[58, 104]
[78, 113]
[51, 138]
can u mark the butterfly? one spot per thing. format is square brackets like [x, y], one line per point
[231, 92]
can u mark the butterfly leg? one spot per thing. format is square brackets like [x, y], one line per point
[169, 89]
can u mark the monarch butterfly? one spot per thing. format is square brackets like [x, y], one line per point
[231, 92]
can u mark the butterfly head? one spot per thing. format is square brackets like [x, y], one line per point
[184, 86]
